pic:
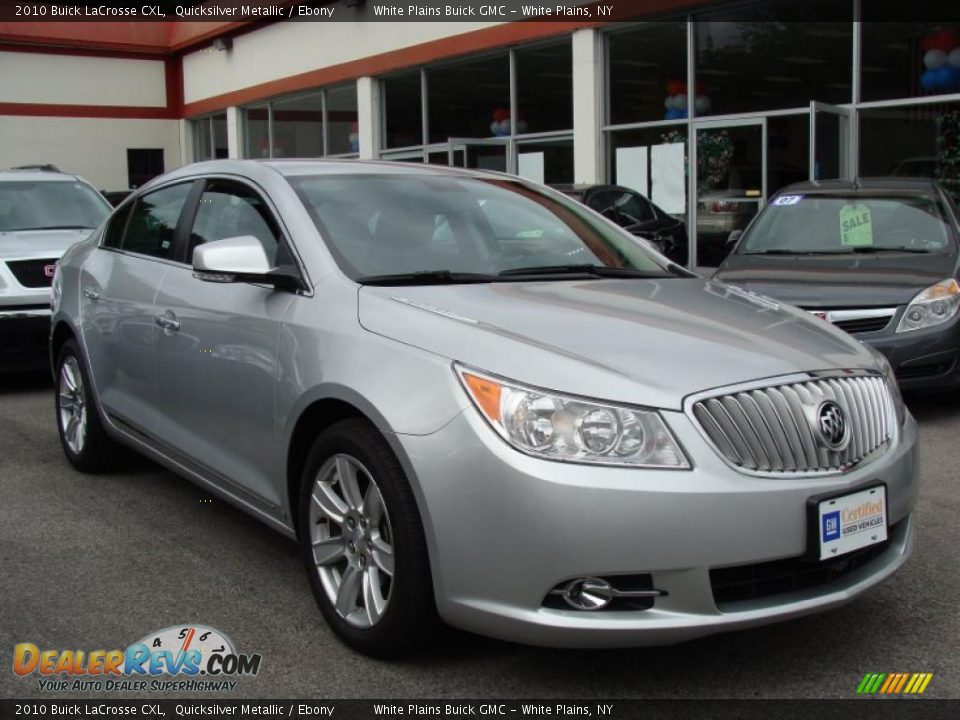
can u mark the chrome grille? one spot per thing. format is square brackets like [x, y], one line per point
[773, 429]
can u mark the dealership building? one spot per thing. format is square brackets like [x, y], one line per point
[707, 108]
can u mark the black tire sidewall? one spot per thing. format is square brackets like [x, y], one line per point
[411, 607]
[96, 452]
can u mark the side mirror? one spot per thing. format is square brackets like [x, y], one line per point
[239, 260]
[733, 238]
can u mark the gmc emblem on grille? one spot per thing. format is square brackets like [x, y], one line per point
[831, 426]
[49, 270]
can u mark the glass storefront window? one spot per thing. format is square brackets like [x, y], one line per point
[773, 56]
[298, 126]
[256, 124]
[546, 162]
[647, 70]
[909, 59]
[544, 88]
[210, 137]
[653, 162]
[201, 140]
[913, 141]
[342, 134]
[469, 99]
[221, 149]
[402, 110]
[788, 151]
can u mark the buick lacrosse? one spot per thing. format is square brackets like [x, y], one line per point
[471, 399]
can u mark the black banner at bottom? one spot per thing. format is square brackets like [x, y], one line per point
[854, 709]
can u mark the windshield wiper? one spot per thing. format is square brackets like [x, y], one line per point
[875, 249]
[782, 251]
[427, 277]
[850, 251]
[51, 227]
[601, 271]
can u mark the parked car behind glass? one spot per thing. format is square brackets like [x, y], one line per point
[878, 258]
[639, 216]
[467, 396]
[42, 213]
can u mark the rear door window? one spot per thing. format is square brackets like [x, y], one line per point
[153, 221]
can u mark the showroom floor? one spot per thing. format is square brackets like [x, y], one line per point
[100, 562]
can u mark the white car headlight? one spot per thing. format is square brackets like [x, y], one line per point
[570, 429]
[933, 306]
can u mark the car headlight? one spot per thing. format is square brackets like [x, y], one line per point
[933, 306]
[571, 429]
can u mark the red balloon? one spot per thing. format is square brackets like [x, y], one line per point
[945, 40]
[501, 114]
[927, 43]
[700, 87]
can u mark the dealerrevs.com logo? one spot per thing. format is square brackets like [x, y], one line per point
[178, 658]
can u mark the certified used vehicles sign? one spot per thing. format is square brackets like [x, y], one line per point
[850, 522]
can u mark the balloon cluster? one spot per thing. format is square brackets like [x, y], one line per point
[941, 58]
[677, 102]
[354, 137]
[500, 126]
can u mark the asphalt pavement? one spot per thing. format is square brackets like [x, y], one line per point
[98, 562]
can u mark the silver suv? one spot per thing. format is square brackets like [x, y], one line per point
[470, 398]
[42, 213]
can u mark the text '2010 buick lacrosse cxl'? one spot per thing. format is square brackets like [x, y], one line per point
[471, 398]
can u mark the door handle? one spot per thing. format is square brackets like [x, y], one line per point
[167, 322]
[91, 294]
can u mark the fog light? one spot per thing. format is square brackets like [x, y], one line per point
[588, 593]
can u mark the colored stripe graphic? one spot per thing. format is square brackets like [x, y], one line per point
[894, 683]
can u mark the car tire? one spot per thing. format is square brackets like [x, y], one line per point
[362, 541]
[84, 441]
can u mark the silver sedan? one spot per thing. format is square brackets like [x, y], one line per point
[469, 398]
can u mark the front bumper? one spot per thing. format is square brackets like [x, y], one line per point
[24, 338]
[922, 359]
[504, 529]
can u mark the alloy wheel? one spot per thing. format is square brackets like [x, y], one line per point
[73, 409]
[351, 540]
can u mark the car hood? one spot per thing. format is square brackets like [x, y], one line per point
[825, 281]
[30, 244]
[647, 342]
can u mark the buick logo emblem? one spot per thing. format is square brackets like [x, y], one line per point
[831, 426]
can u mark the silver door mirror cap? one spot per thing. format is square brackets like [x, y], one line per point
[241, 255]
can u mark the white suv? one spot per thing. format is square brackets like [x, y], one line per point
[42, 213]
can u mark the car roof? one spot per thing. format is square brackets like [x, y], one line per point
[36, 176]
[863, 184]
[323, 166]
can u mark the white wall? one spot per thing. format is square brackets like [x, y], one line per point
[92, 147]
[78, 80]
[284, 49]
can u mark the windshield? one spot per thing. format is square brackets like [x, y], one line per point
[861, 223]
[49, 205]
[388, 225]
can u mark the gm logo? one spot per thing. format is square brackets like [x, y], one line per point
[831, 526]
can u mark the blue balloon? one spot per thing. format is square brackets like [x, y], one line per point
[944, 77]
[684, 114]
[929, 80]
[950, 78]
[673, 114]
